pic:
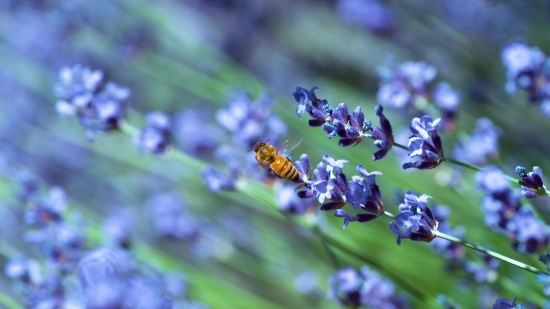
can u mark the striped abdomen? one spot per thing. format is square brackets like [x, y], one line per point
[283, 168]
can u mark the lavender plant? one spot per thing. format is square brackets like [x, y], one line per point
[249, 257]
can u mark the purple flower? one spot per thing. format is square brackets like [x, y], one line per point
[404, 84]
[319, 110]
[530, 234]
[533, 180]
[303, 168]
[196, 134]
[500, 203]
[171, 218]
[373, 15]
[348, 127]
[81, 93]
[249, 122]
[425, 143]
[505, 303]
[450, 250]
[364, 289]
[117, 228]
[416, 218]
[288, 201]
[216, 181]
[155, 136]
[447, 99]
[330, 184]
[383, 135]
[527, 69]
[485, 270]
[482, 142]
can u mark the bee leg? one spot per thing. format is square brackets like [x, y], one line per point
[303, 184]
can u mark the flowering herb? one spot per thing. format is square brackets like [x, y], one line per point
[425, 144]
[416, 218]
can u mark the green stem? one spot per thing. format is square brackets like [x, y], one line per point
[481, 249]
[490, 253]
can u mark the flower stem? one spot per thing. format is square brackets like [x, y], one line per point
[481, 249]
[490, 253]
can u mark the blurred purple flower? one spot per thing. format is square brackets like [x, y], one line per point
[155, 136]
[196, 134]
[81, 93]
[532, 180]
[450, 250]
[425, 143]
[117, 228]
[447, 99]
[482, 142]
[531, 234]
[484, 271]
[505, 303]
[416, 218]
[372, 15]
[366, 288]
[404, 84]
[171, 218]
[527, 69]
[216, 181]
[288, 201]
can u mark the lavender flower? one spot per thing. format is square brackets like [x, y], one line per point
[372, 15]
[365, 194]
[249, 122]
[319, 110]
[80, 93]
[330, 184]
[348, 127]
[171, 218]
[366, 288]
[533, 180]
[482, 143]
[450, 250]
[530, 234]
[527, 69]
[505, 303]
[383, 135]
[288, 201]
[405, 84]
[500, 203]
[155, 136]
[416, 218]
[447, 99]
[485, 270]
[216, 181]
[117, 228]
[196, 134]
[425, 143]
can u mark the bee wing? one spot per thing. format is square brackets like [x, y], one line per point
[287, 147]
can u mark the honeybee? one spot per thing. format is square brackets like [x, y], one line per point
[279, 165]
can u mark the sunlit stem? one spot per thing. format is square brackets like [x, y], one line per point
[481, 249]
[490, 253]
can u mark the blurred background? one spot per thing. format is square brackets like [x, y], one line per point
[189, 59]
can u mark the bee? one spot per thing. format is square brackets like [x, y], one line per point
[279, 165]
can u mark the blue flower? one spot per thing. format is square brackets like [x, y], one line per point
[505, 303]
[482, 143]
[425, 143]
[383, 135]
[80, 94]
[319, 110]
[416, 218]
[330, 184]
[288, 201]
[216, 181]
[530, 234]
[533, 180]
[155, 136]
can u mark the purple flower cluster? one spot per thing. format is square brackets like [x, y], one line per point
[288, 201]
[504, 212]
[372, 15]
[450, 250]
[113, 278]
[349, 127]
[505, 303]
[365, 194]
[425, 144]
[248, 122]
[483, 271]
[416, 218]
[171, 218]
[527, 69]
[534, 182]
[60, 242]
[155, 136]
[364, 289]
[482, 143]
[410, 83]
[82, 93]
[330, 183]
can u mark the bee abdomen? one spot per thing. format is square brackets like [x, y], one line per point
[285, 169]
